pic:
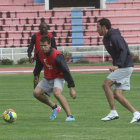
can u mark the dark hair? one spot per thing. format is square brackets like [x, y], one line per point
[43, 24]
[45, 39]
[106, 22]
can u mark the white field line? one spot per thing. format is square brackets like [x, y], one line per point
[72, 70]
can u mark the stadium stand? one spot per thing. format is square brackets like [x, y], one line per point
[8, 7]
[111, 11]
[16, 1]
[124, 4]
[20, 19]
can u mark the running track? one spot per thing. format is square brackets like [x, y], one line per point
[73, 69]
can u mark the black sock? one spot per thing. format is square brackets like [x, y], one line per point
[70, 115]
[55, 106]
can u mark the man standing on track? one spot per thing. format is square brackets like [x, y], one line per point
[120, 71]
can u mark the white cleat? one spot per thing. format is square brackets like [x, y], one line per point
[110, 117]
[136, 118]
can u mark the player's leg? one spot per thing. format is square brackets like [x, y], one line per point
[108, 92]
[122, 85]
[110, 97]
[43, 88]
[122, 100]
[42, 97]
[40, 94]
[62, 100]
[57, 90]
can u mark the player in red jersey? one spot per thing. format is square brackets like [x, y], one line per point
[56, 72]
[35, 41]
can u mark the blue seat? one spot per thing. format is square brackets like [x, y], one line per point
[111, 0]
[39, 1]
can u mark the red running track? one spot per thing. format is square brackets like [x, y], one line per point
[74, 69]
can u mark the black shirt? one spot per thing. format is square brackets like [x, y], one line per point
[117, 48]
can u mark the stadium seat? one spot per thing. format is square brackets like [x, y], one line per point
[63, 39]
[91, 12]
[60, 20]
[126, 25]
[18, 7]
[29, 27]
[17, 26]
[16, 1]
[20, 27]
[61, 13]
[123, 4]
[61, 33]
[89, 26]
[90, 33]
[60, 26]
[13, 45]
[16, 34]
[120, 18]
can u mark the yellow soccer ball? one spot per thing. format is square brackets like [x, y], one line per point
[9, 115]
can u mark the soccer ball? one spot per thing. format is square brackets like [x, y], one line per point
[9, 115]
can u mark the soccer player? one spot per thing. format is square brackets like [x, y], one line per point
[120, 71]
[56, 72]
[35, 42]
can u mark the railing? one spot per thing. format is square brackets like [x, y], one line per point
[13, 53]
[17, 53]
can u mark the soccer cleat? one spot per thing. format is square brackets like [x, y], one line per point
[110, 116]
[70, 118]
[136, 118]
[54, 112]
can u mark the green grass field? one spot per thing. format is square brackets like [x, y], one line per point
[89, 107]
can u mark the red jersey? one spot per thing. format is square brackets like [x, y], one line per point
[37, 43]
[51, 71]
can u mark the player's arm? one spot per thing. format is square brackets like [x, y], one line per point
[30, 48]
[37, 70]
[62, 65]
[53, 42]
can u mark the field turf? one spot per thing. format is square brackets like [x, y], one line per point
[89, 107]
